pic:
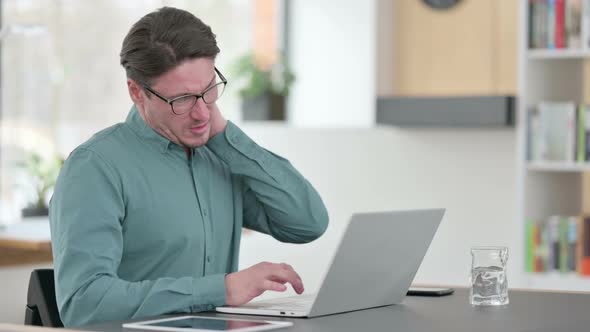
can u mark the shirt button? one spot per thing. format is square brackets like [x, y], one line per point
[235, 140]
[205, 212]
[208, 259]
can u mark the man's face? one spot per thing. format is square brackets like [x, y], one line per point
[192, 128]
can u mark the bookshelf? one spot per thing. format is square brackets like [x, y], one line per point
[558, 281]
[540, 54]
[549, 187]
[553, 166]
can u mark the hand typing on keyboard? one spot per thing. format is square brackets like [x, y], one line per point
[243, 286]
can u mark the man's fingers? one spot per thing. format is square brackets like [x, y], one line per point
[298, 287]
[279, 280]
[274, 286]
[290, 268]
[285, 274]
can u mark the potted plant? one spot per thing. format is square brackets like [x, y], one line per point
[41, 176]
[263, 90]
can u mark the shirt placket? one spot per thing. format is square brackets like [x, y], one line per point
[205, 215]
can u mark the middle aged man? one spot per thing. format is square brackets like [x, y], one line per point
[147, 215]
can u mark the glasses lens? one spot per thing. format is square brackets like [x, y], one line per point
[213, 93]
[184, 104]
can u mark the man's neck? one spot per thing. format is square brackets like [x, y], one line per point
[160, 130]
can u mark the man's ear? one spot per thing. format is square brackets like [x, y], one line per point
[135, 92]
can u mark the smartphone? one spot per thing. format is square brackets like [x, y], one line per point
[430, 291]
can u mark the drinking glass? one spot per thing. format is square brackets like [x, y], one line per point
[489, 285]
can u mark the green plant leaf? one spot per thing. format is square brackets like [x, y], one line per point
[256, 81]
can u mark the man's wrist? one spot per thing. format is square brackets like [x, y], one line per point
[228, 300]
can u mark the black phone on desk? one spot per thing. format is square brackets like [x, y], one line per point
[430, 291]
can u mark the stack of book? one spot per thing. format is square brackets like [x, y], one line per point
[556, 23]
[558, 243]
[559, 131]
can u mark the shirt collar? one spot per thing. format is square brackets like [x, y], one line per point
[138, 125]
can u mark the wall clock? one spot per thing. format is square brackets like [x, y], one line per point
[441, 4]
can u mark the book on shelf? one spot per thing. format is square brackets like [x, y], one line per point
[535, 252]
[554, 243]
[558, 243]
[585, 136]
[537, 23]
[582, 129]
[559, 9]
[552, 132]
[535, 256]
[572, 244]
[556, 24]
[583, 257]
[573, 23]
[558, 132]
[551, 24]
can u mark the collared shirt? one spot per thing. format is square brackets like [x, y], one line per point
[141, 228]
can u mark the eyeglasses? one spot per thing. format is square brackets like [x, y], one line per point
[185, 103]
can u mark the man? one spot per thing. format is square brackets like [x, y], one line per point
[146, 216]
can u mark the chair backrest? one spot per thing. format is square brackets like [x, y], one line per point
[41, 309]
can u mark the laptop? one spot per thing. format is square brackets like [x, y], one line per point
[374, 265]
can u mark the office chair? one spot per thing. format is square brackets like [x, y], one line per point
[41, 308]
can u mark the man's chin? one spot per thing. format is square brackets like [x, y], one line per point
[196, 142]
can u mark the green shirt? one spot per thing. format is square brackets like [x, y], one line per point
[139, 228]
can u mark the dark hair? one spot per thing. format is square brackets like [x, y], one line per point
[161, 40]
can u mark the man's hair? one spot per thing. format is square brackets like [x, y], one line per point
[161, 40]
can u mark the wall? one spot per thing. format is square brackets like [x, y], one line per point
[386, 42]
[13, 292]
[85, 85]
[469, 172]
[332, 51]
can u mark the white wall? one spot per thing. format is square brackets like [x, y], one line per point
[470, 172]
[14, 282]
[333, 53]
[386, 40]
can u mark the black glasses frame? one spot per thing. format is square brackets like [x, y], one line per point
[171, 101]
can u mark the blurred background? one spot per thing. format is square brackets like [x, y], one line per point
[382, 105]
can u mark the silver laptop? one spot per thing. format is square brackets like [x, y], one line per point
[373, 266]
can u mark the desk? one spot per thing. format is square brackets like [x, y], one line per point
[27, 242]
[528, 311]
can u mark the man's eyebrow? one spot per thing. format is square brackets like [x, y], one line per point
[192, 94]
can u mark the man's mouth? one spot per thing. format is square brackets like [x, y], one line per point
[199, 129]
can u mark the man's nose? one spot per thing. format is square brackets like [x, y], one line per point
[200, 111]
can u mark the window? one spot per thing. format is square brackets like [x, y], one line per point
[61, 78]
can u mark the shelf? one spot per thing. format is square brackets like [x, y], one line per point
[557, 54]
[557, 166]
[447, 111]
[545, 188]
[558, 281]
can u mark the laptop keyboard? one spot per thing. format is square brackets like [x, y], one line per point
[296, 303]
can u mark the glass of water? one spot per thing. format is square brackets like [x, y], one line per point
[489, 285]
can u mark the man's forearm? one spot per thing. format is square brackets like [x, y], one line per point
[106, 298]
